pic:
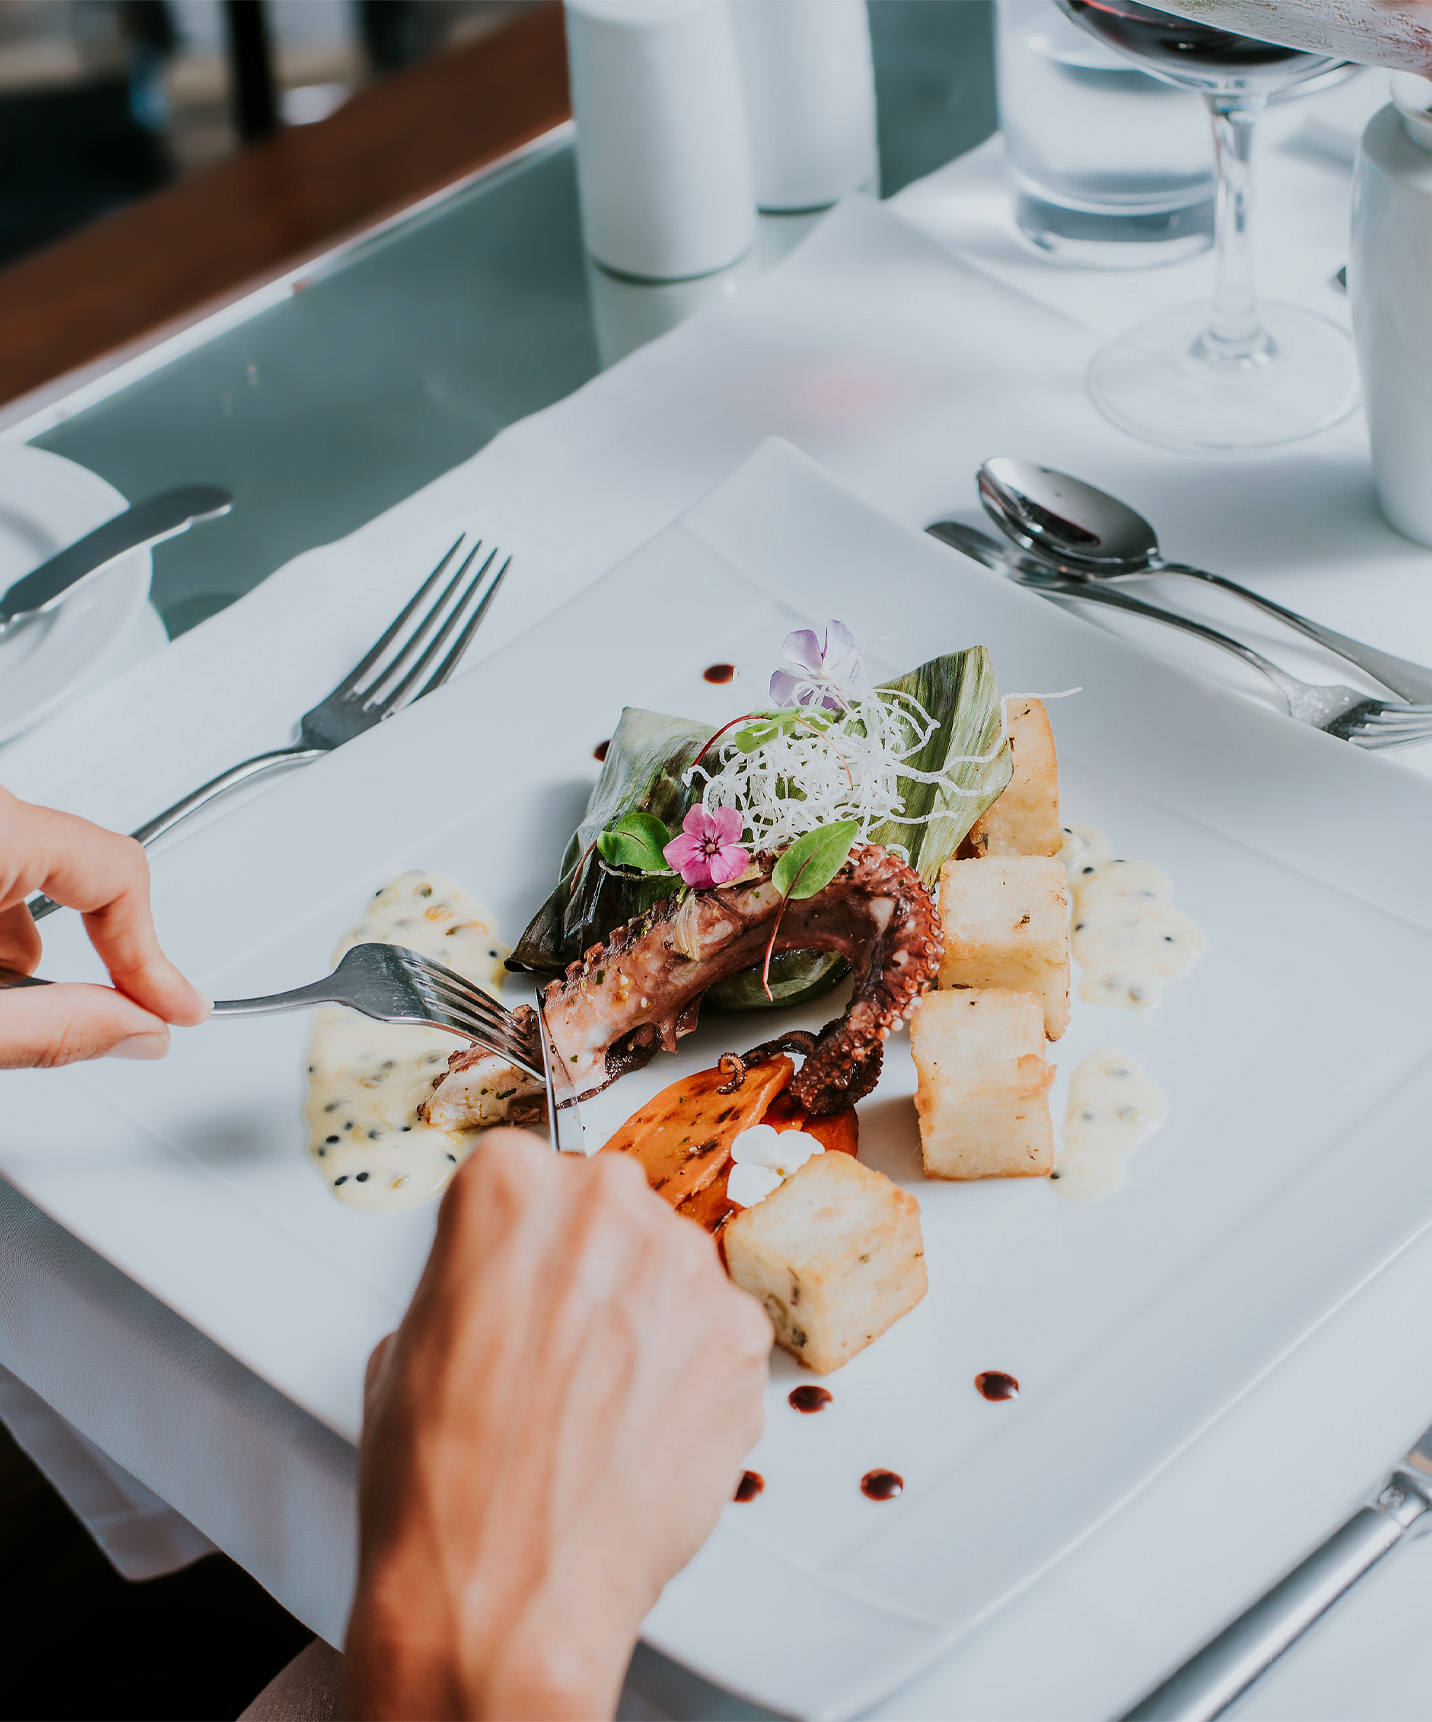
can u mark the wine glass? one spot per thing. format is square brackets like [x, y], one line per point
[1236, 373]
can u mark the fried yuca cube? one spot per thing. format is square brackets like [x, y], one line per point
[835, 1255]
[983, 1093]
[1025, 819]
[1006, 925]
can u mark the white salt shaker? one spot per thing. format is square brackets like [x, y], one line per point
[663, 159]
[810, 100]
[1389, 280]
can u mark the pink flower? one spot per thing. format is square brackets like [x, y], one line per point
[708, 851]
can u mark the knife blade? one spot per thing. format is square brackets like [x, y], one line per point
[1211, 1679]
[569, 1135]
[151, 521]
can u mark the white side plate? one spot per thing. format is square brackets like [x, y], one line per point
[47, 502]
[1295, 1057]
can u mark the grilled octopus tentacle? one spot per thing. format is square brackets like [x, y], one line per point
[643, 987]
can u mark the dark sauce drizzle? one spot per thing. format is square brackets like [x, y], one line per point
[751, 1484]
[882, 1485]
[809, 1399]
[600, 750]
[995, 1384]
[719, 672]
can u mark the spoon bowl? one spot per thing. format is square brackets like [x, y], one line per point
[1074, 526]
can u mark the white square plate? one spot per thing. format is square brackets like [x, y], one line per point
[1296, 1058]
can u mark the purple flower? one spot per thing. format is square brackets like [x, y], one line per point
[833, 659]
[708, 851]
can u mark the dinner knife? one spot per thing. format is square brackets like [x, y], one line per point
[1229, 1664]
[158, 517]
[569, 1135]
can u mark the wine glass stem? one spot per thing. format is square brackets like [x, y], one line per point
[1235, 334]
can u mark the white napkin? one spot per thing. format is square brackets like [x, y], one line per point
[810, 99]
[663, 164]
[141, 1535]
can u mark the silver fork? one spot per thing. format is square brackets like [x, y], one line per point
[1339, 710]
[385, 681]
[393, 984]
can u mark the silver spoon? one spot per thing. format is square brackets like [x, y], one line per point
[1341, 711]
[1089, 535]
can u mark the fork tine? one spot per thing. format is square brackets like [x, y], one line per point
[349, 684]
[485, 1009]
[495, 1040]
[403, 657]
[1399, 717]
[431, 972]
[510, 1038]
[398, 696]
[1383, 738]
[451, 661]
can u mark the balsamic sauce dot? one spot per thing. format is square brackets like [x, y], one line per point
[719, 672]
[809, 1399]
[600, 750]
[342, 1180]
[362, 1177]
[330, 1139]
[995, 1384]
[882, 1485]
[751, 1484]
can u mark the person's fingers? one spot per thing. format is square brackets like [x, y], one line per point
[106, 877]
[46, 1026]
[19, 940]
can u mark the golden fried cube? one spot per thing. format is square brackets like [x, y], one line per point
[983, 1094]
[835, 1255]
[1006, 925]
[1025, 819]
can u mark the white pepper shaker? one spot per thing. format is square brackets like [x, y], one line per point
[663, 158]
[810, 99]
[1389, 281]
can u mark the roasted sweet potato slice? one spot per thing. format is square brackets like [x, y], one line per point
[683, 1136]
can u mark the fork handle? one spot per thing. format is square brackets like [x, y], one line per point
[217, 786]
[41, 906]
[1411, 681]
[301, 998]
[1091, 592]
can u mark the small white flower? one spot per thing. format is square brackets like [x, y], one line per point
[764, 1158]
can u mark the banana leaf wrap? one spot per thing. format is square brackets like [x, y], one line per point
[643, 772]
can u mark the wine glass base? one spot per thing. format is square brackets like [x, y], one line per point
[1151, 382]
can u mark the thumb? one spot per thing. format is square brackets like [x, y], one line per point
[46, 1026]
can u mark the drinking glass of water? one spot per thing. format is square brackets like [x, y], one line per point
[1112, 168]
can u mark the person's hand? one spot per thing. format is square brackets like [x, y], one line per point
[106, 877]
[550, 1436]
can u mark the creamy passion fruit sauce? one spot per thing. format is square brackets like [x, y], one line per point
[1127, 936]
[367, 1079]
[1113, 1105]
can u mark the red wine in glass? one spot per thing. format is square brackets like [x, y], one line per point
[1192, 53]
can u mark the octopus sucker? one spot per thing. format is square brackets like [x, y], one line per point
[643, 987]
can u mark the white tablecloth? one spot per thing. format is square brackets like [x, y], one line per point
[902, 344]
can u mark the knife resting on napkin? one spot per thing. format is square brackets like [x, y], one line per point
[1228, 1665]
